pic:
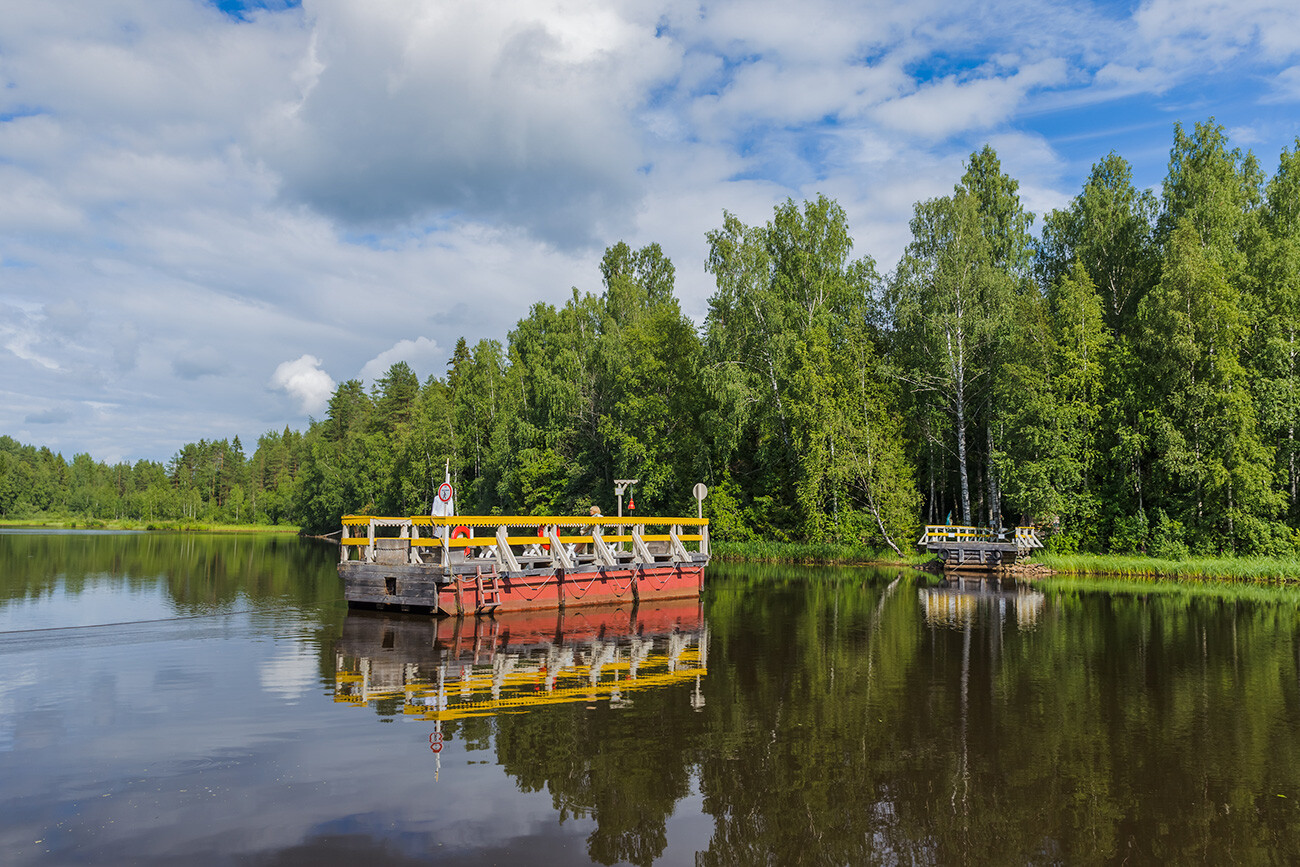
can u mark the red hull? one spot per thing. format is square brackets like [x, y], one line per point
[582, 588]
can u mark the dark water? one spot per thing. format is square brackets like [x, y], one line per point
[210, 700]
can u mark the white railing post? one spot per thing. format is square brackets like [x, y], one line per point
[604, 555]
[558, 554]
[505, 557]
[639, 549]
[679, 550]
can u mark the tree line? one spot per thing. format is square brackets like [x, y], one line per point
[1129, 375]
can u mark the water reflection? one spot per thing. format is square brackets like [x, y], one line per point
[456, 668]
[958, 602]
[847, 717]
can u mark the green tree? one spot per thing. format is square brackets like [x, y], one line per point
[791, 369]
[948, 304]
[1108, 229]
[1274, 349]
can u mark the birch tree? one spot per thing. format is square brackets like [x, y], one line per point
[946, 300]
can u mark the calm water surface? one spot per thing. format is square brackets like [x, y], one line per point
[210, 700]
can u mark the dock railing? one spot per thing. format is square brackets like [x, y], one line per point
[1025, 538]
[426, 539]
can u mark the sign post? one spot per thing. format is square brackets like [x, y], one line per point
[700, 491]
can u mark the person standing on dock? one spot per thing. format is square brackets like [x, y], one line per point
[595, 513]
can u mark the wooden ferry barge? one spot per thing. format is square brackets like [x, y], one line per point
[450, 565]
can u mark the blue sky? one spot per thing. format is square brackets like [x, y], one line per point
[215, 211]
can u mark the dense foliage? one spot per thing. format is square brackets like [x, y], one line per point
[1131, 376]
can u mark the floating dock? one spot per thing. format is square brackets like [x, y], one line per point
[450, 565]
[978, 547]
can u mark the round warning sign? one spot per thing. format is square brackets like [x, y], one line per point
[444, 492]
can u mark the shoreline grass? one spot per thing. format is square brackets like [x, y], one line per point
[818, 553]
[1261, 569]
[74, 523]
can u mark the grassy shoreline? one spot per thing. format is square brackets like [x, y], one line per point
[71, 523]
[1263, 569]
[1090, 566]
[817, 553]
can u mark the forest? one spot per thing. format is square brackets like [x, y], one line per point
[1127, 374]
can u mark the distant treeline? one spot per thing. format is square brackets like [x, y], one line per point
[1131, 376]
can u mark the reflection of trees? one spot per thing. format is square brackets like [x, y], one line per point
[198, 570]
[810, 673]
[1080, 729]
[625, 768]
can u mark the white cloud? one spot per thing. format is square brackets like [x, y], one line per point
[1286, 86]
[22, 344]
[191, 199]
[304, 381]
[1177, 32]
[423, 355]
[514, 111]
[951, 105]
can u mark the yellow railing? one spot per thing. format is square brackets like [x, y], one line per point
[1024, 537]
[429, 532]
[482, 690]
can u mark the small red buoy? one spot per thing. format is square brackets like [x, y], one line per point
[631, 504]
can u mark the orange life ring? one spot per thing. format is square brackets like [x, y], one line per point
[541, 534]
[462, 532]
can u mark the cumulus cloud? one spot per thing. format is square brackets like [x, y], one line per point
[422, 354]
[514, 111]
[193, 196]
[304, 381]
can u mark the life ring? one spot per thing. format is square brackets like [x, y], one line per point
[462, 532]
[541, 534]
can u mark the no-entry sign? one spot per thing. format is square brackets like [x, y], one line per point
[444, 492]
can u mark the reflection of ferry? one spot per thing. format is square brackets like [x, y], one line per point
[959, 603]
[451, 668]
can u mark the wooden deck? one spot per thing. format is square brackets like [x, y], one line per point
[977, 548]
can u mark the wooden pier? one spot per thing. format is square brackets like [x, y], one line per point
[978, 548]
[448, 565]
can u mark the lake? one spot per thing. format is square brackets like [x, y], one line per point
[206, 699]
